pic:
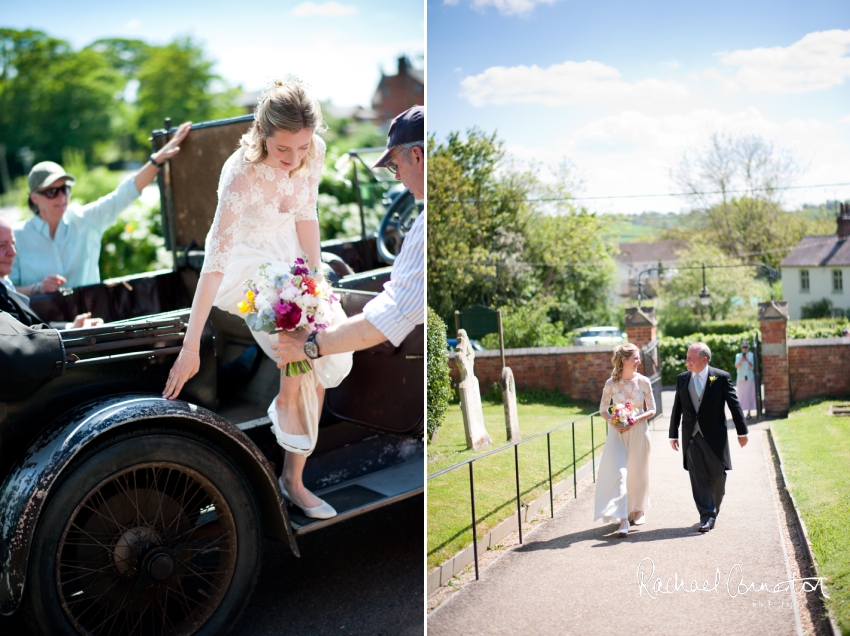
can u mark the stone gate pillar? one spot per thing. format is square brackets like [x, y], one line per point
[641, 325]
[773, 321]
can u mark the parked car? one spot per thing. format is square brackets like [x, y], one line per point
[124, 513]
[451, 344]
[590, 336]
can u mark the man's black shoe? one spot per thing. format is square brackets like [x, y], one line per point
[708, 525]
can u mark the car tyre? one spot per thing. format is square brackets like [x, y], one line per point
[150, 533]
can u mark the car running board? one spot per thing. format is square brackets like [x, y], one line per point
[364, 494]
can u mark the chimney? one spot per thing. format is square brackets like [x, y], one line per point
[843, 220]
[402, 65]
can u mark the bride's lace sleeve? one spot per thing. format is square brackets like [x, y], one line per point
[306, 210]
[234, 194]
[607, 396]
[648, 396]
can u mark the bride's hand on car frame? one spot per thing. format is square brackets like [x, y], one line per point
[187, 365]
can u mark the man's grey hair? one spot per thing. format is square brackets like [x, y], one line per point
[412, 144]
[702, 349]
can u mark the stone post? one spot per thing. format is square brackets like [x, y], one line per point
[470, 395]
[509, 402]
[773, 321]
[641, 325]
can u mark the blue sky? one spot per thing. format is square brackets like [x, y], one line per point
[339, 46]
[622, 89]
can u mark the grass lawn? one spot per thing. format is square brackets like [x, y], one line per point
[449, 518]
[816, 450]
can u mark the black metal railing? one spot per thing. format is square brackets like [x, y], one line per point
[515, 446]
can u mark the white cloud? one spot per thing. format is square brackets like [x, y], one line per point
[671, 63]
[506, 7]
[632, 153]
[565, 84]
[328, 10]
[818, 61]
[844, 120]
[135, 23]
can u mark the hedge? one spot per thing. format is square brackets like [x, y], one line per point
[817, 328]
[439, 381]
[723, 347]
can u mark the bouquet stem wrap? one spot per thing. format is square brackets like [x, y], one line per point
[288, 297]
[296, 368]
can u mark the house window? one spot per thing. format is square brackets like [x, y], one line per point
[804, 281]
[837, 282]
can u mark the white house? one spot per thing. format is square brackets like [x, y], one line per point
[818, 268]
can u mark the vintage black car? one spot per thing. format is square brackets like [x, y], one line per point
[124, 513]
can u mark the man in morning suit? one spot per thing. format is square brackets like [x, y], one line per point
[701, 395]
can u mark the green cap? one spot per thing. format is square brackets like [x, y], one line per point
[46, 173]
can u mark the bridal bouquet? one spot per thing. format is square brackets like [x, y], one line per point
[287, 298]
[623, 415]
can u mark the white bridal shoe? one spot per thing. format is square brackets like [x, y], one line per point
[624, 528]
[639, 520]
[324, 511]
[298, 444]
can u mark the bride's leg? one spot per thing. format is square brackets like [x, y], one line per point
[293, 465]
[289, 416]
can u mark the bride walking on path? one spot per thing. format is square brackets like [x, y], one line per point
[622, 485]
[267, 213]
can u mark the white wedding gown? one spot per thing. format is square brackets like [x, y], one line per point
[254, 223]
[622, 482]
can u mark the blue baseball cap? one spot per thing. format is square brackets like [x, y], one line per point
[406, 128]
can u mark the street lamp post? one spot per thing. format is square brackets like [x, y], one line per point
[704, 294]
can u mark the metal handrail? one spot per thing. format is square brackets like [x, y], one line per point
[515, 446]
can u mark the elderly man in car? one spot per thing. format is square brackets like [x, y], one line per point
[17, 304]
[401, 306]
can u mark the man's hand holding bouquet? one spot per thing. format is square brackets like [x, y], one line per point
[288, 297]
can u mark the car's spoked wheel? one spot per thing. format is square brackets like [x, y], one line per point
[149, 550]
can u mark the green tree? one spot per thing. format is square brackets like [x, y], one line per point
[52, 97]
[501, 236]
[734, 290]
[177, 81]
[736, 184]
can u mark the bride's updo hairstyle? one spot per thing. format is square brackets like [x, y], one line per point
[285, 106]
[621, 352]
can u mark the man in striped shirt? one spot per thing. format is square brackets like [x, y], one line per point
[401, 306]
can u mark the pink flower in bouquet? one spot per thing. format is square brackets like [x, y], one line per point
[628, 404]
[287, 315]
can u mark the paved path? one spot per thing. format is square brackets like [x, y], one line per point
[573, 576]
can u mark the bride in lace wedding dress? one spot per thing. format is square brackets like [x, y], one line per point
[267, 213]
[622, 484]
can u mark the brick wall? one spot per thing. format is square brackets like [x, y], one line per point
[642, 335]
[579, 372]
[816, 367]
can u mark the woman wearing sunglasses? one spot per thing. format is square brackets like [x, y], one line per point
[60, 245]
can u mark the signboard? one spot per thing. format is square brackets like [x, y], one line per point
[479, 321]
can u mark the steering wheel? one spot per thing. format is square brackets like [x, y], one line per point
[395, 225]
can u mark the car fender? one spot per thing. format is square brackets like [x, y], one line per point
[29, 483]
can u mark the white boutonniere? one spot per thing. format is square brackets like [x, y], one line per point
[711, 379]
